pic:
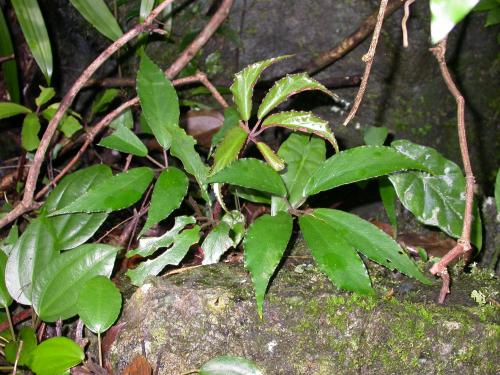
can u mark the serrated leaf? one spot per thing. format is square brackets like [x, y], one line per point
[125, 119]
[172, 256]
[29, 258]
[244, 82]
[46, 93]
[28, 336]
[357, 164]
[168, 193]
[436, 199]
[5, 298]
[253, 174]
[388, 196]
[9, 67]
[286, 87]
[265, 243]
[277, 163]
[230, 365]
[369, 240]
[69, 126]
[375, 135]
[98, 15]
[149, 245]
[8, 109]
[445, 14]
[56, 289]
[114, 193]
[229, 148]
[55, 356]
[159, 101]
[99, 304]
[335, 257]
[102, 101]
[305, 122]
[29, 132]
[231, 119]
[74, 229]
[124, 140]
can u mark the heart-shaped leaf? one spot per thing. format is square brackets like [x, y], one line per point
[229, 365]
[124, 140]
[55, 356]
[229, 149]
[98, 14]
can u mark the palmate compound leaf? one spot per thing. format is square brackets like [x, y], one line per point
[113, 193]
[124, 140]
[169, 191]
[305, 122]
[265, 244]
[74, 229]
[230, 365]
[287, 86]
[253, 174]
[244, 82]
[445, 14]
[56, 289]
[229, 148]
[357, 164]
[99, 304]
[55, 356]
[436, 199]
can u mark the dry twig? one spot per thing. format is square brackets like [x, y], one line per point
[404, 20]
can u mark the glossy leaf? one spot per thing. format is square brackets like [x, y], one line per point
[375, 135]
[8, 109]
[34, 250]
[244, 82]
[231, 119]
[113, 193]
[277, 163]
[55, 356]
[9, 67]
[335, 257]
[102, 101]
[74, 229]
[99, 304]
[305, 122]
[253, 174]
[228, 150]
[389, 196]
[46, 93]
[98, 15]
[168, 193]
[125, 119]
[56, 289]
[445, 14]
[286, 87]
[251, 195]
[149, 245]
[436, 199]
[265, 243]
[171, 256]
[159, 101]
[124, 140]
[31, 20]
[29, 132]
[28, 336]
[5, 298]
[230, 365]
[357, 164]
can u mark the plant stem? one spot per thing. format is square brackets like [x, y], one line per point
[99, 347]
[11, 326]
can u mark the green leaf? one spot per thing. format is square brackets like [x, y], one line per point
[56, 289]
[305, 122]
[253, 174]
[149, 245]
[375, 135]
[228, 150]
[8, 109]
[493, 17]
[99, 304]
[7, 243]
[29, 258]
[69, 126]
[112, 194]
[145, 9]
[98, 14]
[31, 20]
[388, 196]
[335, 257]
[29, 132]
[286, 87]
[102, 101]
[231, 119]
[125, 119]
[5, 298]
[445, 14]
[230, 365]
[244, 82]
[46, 93]
[485, 5]
[9, 67]
[357, 164]
[497, 190]
[124, 140]
[55, 356]
[74, 229]
[369, 240]
[251, 195]
[159, 101]
[264, 244]
[28, 336]
[168, 193]
[436, 199]
[277, 163]
[172, 256]
[228, 233]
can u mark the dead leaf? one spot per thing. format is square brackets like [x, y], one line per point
[138, 366]
[202, 125]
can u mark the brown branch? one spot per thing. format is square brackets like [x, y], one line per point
[404, 20]
[368, 59]
[213, 90]
[6, 58]
[463, 245]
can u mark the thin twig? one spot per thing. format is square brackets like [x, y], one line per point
[404, 20]
[18, 354]
[463, 245]
[127, 162]
[213, 90]
[6, 58]
[368, 59]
